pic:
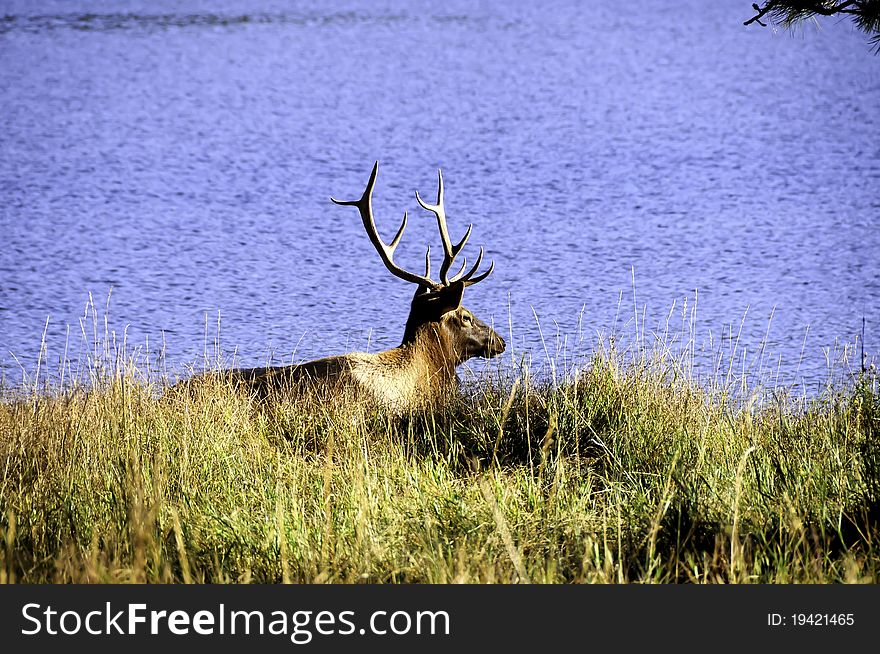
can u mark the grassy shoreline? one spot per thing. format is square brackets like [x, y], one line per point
[626, 470]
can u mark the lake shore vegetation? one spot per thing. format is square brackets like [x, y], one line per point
[626, 468]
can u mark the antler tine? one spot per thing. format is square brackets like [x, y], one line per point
[482, 276]
[469, 280]
[460, 272]
[464, 239]
[386, 252]
[394, 241]
[450, 251]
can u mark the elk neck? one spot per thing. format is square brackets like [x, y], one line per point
[428, 350]
[432, 346]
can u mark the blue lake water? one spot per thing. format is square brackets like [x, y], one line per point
[617, 160]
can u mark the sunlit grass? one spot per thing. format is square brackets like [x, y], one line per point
[626, 467]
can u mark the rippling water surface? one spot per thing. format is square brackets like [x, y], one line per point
[617, 161]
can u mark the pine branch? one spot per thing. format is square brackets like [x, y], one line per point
[865, 14]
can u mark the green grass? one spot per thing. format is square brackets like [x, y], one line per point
[625, 469]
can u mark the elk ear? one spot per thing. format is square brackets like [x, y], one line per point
[450, 298]
[437, 303]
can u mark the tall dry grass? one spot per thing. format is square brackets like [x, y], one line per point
[623, 468]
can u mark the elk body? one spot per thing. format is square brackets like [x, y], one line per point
[440, 334]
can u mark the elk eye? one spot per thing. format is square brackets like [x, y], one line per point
[466, 319]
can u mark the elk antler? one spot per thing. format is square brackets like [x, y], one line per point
[451, 251]
[365, 207]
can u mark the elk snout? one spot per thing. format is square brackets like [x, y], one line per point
[495, 346]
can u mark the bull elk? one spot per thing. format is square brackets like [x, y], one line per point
[440, 334]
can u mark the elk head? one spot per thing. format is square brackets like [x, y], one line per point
[436, 312]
